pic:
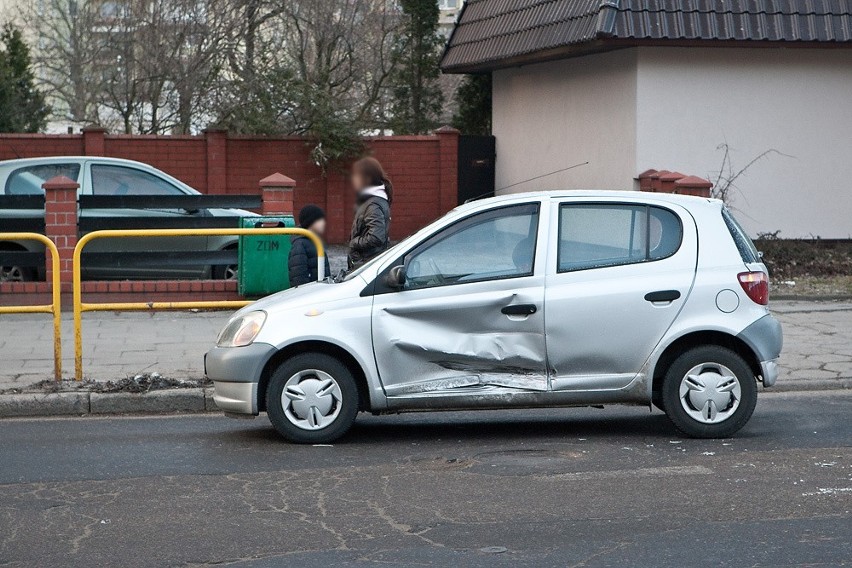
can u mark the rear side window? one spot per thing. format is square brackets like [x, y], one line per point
[748, 251]
[28, 181]
[119, 180]
[600, 235]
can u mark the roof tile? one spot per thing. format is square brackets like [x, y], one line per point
[491, 31]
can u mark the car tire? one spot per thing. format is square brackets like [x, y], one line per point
[312, 398]
[16, 273]
[226, 272]
[709, 392]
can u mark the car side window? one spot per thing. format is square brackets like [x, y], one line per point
[28, 180]
[495, 244]
[597, 235]
[120, 180]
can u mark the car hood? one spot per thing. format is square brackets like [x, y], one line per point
[231, 213]
[307, 296]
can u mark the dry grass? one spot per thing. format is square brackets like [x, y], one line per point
[813, 286]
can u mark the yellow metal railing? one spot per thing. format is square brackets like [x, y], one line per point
[80, 307]
[56, 289]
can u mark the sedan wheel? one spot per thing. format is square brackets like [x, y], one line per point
[312, 398]
[15, 274]
[231, 272]
[709, 392]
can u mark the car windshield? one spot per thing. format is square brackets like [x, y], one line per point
[376, 259]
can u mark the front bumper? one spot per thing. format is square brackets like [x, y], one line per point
[236, 398]
[769, 372]
[235, 372]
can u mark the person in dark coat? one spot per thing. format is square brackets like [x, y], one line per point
[371, 226]
[302, 263]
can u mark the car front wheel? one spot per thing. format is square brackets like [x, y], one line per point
[312, 398]
[709, 392]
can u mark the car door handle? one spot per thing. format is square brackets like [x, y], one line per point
[662, 296]
[520, 310]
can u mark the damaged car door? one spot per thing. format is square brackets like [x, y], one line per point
[466, 313]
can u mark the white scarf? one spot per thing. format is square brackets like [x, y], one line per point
[375, 191]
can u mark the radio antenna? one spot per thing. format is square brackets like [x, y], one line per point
[541, 176]
[487, 193]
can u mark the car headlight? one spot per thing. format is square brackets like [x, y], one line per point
[241, 331]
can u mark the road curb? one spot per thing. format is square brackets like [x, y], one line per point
[810, 385]
[44, 404]
[200, 400]
[80, 403]
[177, 400]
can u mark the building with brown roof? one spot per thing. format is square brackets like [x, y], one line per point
[632, 85]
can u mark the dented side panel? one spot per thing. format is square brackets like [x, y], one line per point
[456, 338]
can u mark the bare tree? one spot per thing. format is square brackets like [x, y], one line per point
[728, 175]
[67, 54]
[143, 66]
[317, 68]
[334, 55]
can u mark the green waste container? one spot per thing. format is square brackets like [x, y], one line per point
[263, 259]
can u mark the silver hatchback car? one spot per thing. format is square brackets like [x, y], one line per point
[568, 298]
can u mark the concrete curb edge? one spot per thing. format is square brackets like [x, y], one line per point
[82, 403]
[198, 400]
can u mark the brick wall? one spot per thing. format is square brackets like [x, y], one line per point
[423, 168]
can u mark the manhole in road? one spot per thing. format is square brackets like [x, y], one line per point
[525, 462]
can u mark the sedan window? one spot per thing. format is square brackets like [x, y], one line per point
[492, 245]
[599, 235]
[120, 180]
[28, 181]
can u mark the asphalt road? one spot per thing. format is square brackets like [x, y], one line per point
[578, 487]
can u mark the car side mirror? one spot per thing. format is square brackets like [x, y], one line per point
[396, 277]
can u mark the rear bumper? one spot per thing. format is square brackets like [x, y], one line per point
[765, 338]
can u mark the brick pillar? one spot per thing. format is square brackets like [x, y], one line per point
[94, 143]
[60, 222]
[645, 180]
[217, 160]
[277, 192]
[667, 181]
[693, 185]
[448, 156]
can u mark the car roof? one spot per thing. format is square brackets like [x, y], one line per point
[18, 162]
[687, 201]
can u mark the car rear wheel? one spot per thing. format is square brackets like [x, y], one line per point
[226, 272]
[709, 392]
[312, 398]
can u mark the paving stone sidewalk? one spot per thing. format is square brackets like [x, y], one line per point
[817, 345]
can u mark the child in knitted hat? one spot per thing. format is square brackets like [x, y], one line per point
[302, 263]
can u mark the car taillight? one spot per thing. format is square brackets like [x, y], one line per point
[756, 286]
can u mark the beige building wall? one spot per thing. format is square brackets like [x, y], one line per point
[670, 108]
[796, 101]
[550, 116]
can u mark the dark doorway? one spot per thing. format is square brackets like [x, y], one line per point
[476, 167]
